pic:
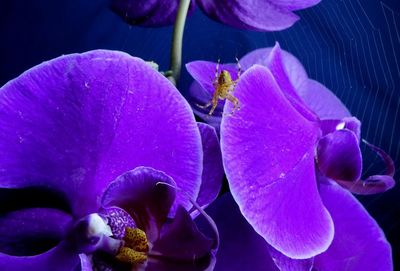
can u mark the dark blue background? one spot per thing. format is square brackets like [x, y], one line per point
[351, 46]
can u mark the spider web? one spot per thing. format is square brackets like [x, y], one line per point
[358, 60]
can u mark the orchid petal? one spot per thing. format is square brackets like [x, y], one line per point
[269, 172]
[150, 12]
[292, 66]
[31, 231]
[339, 156]
[212, 166]
[77, 122]
[146, 194]
[257, 15]
[322, 101]
[317, 97]
[277, 67]
[359, 243]
[296, 4]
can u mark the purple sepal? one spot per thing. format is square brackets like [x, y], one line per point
[213, 171]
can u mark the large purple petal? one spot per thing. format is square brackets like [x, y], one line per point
[150, 12]
[60, 258]
[146, 194]
[257, 15]
[213, 171]
[32, 231]
[77, 122]
[359, 243]
[268, 153]
[339, 156]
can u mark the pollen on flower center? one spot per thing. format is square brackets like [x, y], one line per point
[135, 248]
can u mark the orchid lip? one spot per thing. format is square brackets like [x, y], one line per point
[94, 234]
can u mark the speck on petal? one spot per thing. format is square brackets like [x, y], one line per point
[268, 155]
[349, 123]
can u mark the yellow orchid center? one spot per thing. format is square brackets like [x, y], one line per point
[135, 248]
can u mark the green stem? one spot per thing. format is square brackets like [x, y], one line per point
[176, 50]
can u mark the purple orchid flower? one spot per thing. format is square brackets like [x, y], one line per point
[114, 139]
[259, 15]
[285, 152]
